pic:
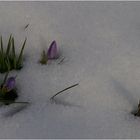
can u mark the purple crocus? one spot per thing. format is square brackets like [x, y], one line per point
[52, 52]
[10, 83]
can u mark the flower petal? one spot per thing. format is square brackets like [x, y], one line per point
[10, 83]
[52, 52]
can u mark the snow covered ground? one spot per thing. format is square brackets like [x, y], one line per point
[101, 45]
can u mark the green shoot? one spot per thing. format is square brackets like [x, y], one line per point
[19, 60]
[43, 59]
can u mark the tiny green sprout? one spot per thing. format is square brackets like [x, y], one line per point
[9, 59]
[44, 58]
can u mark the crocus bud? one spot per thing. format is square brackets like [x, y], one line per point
[52, 52]
[10, 83]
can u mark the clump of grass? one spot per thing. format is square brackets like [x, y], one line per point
[9, 59]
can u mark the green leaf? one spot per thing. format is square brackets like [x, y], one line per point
[44, 58]
[13, 47]
[8, 64]
[13, 54]
[1, 44]
[19, 61]
[9, 45]
[5, 77]
[2, 54]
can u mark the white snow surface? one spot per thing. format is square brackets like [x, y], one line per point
[101, 45]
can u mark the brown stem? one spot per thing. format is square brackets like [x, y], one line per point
[63, 91]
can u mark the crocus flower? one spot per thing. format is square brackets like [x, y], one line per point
[52, 52]
[10, 83]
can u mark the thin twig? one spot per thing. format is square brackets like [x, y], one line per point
[26, 26]
[63, 90]
[20, 102]
[13, 102]
[61, 60]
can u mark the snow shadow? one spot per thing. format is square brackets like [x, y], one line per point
[124, 93]
[43, 43]
[15, 110]
[64, 103]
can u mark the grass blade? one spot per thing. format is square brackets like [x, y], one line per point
[8, 64]
[1, 58]
[1, 45]
[9, 45]
[21, 53]
[63, 91]
[2, 54]
[13, 54]
[5, 77]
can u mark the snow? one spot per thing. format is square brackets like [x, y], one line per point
[101, 45]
